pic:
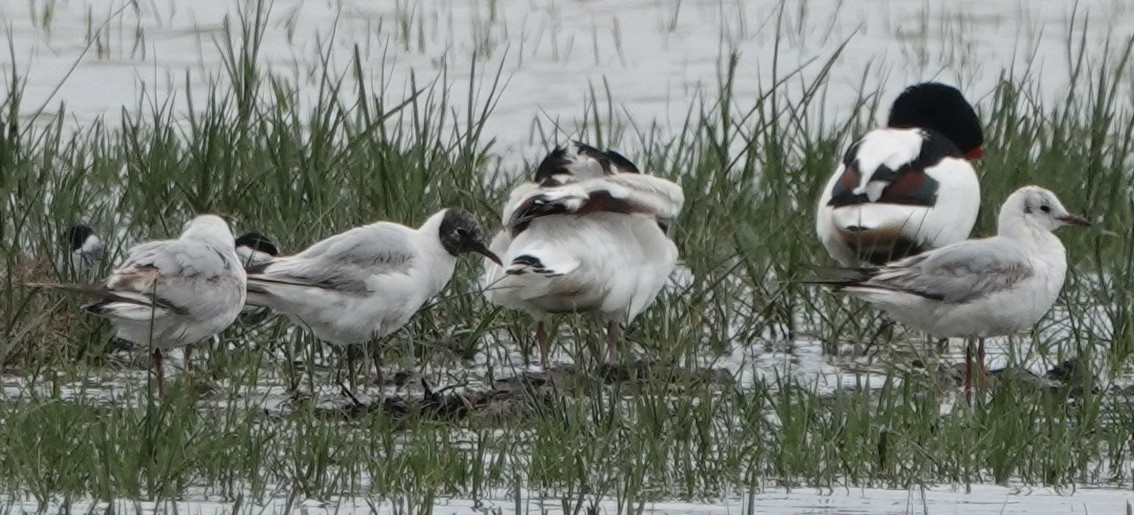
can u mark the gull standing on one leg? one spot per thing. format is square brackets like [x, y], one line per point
[588, 235]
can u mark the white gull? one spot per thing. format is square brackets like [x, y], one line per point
[363, 284]
[978, 288]
[172, 293]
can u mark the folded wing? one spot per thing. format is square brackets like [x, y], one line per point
[343, 262]
[163, 277]
[954, 274]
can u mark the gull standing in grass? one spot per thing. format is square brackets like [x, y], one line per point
[86, 248]
[361, 285]
[254, 249]
[172, 293]
[979, 288]
[588, 235]
[907, 187]
[251, 248]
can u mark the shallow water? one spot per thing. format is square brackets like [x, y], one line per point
[981, 499]
[654, 56]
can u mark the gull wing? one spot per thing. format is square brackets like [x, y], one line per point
[342, 262]
[953, 274]
[166, 275]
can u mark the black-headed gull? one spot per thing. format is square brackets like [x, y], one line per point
[363, 284]
[907, 187]
[588, 235]
[978, 288]
[172, 293]
[254, 249]
[86, 247]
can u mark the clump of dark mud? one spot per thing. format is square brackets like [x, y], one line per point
[515, 396]
[1070, 378]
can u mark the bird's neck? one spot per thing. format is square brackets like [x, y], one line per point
[437, 259]
[1045, 244]
[431, 228]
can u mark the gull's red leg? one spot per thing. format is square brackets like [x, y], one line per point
[613, 335]
[541, 342]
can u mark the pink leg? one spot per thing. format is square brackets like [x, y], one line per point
[969, 372]
[376, 357]
[541, 342]
[613, 335]
[188, 358]
[158, 372]
[349, 366]
[981, 373]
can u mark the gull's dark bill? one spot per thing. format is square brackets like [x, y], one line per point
[1075, 220]
[482, 249]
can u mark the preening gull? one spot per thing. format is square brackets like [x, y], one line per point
[363, 284]
[977, 288]
[254, 249]
[588, 235]
[907, 187]
[171, 293]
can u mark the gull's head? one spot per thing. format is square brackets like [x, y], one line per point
[256, 242]
[253, 248]
[932, 105]
[459, 233]
[210, 229]
[83, 239]
[86, 247]
[1038, 208]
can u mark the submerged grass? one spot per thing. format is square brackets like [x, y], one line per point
[751, 169]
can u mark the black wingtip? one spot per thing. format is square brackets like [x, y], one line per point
[257, 268]
[95, 307]
[838, 278]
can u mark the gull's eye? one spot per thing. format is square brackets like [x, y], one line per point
[1045, 209]
[463, 233]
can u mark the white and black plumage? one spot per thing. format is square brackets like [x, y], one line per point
[907, 187]
[589, 235]
[254, 249]
[86, 248]
[978, 288]
[172, 293]
[365, 283]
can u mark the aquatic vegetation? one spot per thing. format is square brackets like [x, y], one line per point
[750, 380]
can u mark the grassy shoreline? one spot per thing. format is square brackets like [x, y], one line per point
[751, 170]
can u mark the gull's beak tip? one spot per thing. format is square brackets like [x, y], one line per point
[482, 249]
[491, 255]
[1075, 220]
